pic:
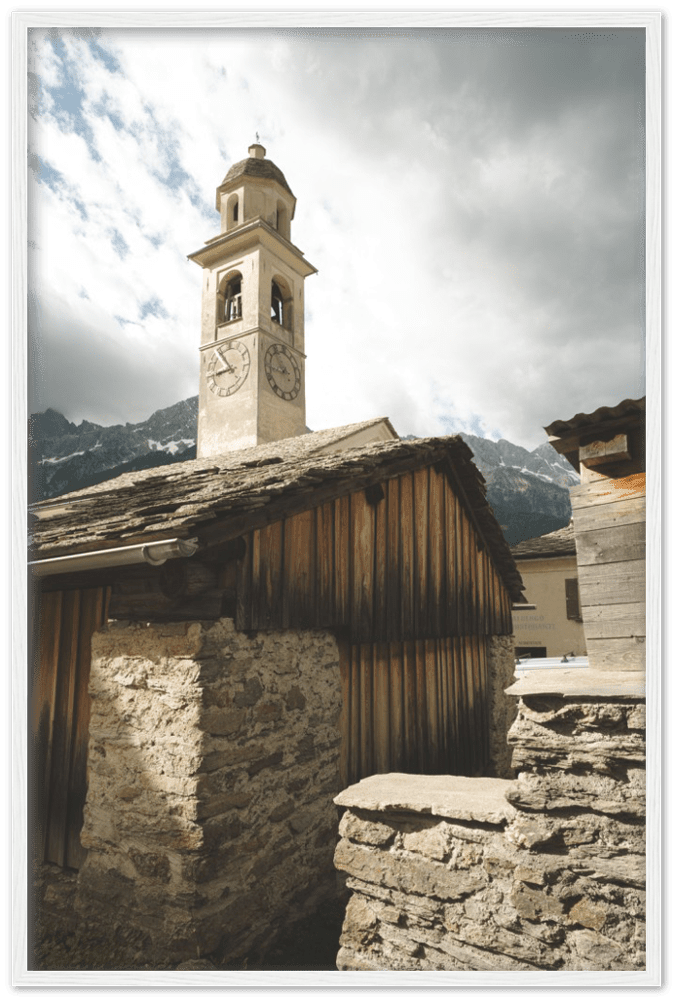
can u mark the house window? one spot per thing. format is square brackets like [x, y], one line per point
[530, 652]
[572, 600]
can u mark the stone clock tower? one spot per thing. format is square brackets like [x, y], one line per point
[252, 360]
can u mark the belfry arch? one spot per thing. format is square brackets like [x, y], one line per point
[281, 306]
[229, 298]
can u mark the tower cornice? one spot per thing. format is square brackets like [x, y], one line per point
[244, 238]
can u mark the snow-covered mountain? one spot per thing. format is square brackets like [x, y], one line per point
[66, 457]
[528, 490]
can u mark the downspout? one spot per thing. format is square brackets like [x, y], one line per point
[154, 553]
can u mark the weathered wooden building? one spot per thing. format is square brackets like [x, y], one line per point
[391, 547]
[608, 448]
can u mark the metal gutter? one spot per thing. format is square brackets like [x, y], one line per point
[154, 553]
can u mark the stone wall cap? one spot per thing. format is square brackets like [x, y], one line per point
[572, 683]
[451, 796]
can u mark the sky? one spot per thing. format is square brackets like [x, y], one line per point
[473, 200]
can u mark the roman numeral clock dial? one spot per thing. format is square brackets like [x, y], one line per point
[283, 371]
[228, 368]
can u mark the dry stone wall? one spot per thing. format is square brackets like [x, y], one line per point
[213, 761]
[545, 872]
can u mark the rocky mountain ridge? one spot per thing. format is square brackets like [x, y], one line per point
[528, 490]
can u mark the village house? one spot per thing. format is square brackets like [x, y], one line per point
[553, 626]
[222, 645]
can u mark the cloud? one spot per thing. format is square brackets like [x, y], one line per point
[472, 199]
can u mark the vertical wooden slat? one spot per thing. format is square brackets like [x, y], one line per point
[461, 695]
[397, 711]
[393, 599]
[91, 619]
[48, 610]
[382, 578]
[325, 533]
[366, 713]
[420, 527]
[299, 596]
[437, 595]
[244, 595]
[357, 764]
[407, 550]
[363, 574]
[63, 726]
[257, 602]
[342, 561]
[451, 580]
[381, 708]
[430, 731]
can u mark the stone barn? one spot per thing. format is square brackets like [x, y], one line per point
[223, 644]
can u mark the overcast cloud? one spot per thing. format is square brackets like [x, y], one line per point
[473, 201]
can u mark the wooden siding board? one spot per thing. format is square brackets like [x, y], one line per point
[91, 618]
[342, 561]
[394, 609]
[397, 707]
[407, 564]
[617, 654]
[614, 621]
[592, 516]
[613, 583]
[244, 589]
[420, 526]
[620, 543]
[325, 534]
[48, 609]
[363, 570]
[381, 584]
[381, 708]
[63, 728]
[437, 596]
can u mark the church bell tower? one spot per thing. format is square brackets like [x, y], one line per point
[252, 360]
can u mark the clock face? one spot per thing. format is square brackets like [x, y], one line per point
[228, 368]
[283, 371]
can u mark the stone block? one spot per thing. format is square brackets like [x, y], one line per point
[588, 914]
[221, 722]
[535, 905]
[407, 873]
[295, 699]
[365, 831]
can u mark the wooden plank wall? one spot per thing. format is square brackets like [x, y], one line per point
[418, 707]
[398, 562]
[64, 624]
[609, 526]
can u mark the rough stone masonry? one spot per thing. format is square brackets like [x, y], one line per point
[546, 872]
[213, 761]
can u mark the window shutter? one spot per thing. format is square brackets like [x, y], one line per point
[572, 599]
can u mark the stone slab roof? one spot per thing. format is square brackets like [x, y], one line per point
[555, 543]
[224, 496]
